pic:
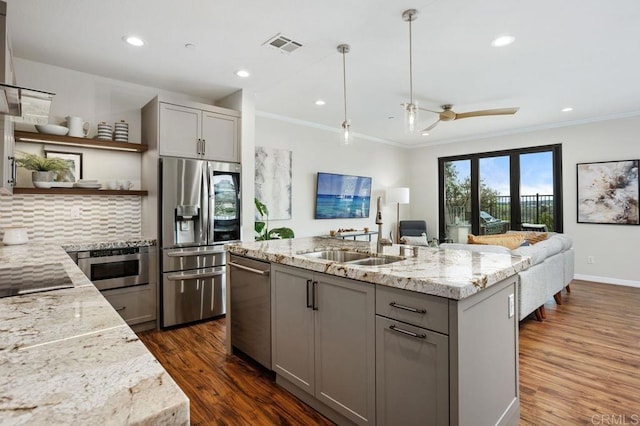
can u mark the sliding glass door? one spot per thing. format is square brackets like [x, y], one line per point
[494, 192]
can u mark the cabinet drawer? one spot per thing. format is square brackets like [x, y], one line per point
[422, 310]
[135, 304]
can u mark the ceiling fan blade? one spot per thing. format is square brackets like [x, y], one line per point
[432, 126]
[484, 112]
[430, 110]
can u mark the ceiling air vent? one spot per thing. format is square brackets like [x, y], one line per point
[283, 44]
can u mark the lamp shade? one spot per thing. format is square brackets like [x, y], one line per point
[398, 195]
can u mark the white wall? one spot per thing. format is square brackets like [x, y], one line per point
[317, 149]
[616, 248]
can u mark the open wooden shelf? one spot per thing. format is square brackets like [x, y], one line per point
[31, 137]
[77, 191]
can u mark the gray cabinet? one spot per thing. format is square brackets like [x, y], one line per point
[412, 362]
[324, 340]
[198, 133]
[136, 305]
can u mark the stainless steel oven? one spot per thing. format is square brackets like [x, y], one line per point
[116, 267]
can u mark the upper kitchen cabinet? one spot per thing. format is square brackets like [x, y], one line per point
[192, 131]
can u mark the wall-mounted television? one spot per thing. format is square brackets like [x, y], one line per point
[342, 196]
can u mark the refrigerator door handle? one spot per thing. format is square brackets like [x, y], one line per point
[194, 253]
[182, 276]
[211, 204]
[204, 201]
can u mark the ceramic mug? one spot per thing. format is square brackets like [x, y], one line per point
[77, 127]
[125, 184]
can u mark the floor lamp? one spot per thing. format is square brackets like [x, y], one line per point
[399, 196]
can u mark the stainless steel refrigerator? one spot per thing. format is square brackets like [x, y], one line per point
[199, 212]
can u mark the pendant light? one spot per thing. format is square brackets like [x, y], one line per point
[346, 137]
[411, 108]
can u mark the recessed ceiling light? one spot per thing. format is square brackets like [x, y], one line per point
[133, 40]
[243, 73]
[504, 40]
[425, 133]
[567, 109]
[320, 102]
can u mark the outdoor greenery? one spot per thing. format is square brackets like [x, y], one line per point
[262, 226]
[458, 193]
[37, 163]
[458, 201]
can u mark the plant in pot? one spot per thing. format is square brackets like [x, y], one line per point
[262, 227]
[43, 169]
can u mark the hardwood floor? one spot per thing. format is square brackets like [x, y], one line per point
[580, 366]
[224, 390]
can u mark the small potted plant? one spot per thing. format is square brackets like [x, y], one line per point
[43, 169]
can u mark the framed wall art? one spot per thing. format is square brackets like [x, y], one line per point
[73, 159]
[608, 192]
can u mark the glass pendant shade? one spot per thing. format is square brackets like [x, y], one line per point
[410, 117]
[346, 136]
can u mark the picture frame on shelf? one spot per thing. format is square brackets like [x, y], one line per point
[608, 192]
[74, 159]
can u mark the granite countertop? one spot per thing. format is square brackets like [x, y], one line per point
[67, 357]
[454, 274]
[104, 243]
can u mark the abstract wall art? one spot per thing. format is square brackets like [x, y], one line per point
[273, 181]
[608, 192]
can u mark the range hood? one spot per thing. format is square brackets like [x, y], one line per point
[30, 104]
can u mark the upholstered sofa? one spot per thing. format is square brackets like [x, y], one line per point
[552, 270]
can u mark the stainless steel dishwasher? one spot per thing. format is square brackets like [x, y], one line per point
[250, 308]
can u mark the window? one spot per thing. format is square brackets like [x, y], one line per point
[493, 192]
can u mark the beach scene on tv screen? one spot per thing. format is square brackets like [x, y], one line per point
[342, 196]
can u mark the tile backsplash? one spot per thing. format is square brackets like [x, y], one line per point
[55, 217]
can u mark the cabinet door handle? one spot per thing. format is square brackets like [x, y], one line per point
[248, 269]
[407, 308]
[14, 171]
[204, 146]
[122, 308]
[309, 303]
[407, 332]
[315, 295]
[199, 146]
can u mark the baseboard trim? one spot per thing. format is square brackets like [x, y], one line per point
[606, 280]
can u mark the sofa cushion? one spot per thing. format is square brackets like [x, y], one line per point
[510, 241]
[476, 248]
[537, 253]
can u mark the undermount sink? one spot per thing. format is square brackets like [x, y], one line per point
[377, 261]
[338, 255]
[354, 258]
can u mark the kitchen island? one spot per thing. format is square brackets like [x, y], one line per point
[425, 339]
[67, 357]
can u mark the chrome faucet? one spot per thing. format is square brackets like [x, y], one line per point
[381, 241]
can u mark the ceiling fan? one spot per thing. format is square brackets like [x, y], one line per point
[447, 114]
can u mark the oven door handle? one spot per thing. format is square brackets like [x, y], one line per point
[193, 253]
[181, 276]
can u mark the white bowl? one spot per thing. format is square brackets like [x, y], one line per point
[52, 129]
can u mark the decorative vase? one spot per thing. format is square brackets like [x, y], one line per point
[42, 179]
